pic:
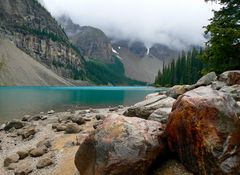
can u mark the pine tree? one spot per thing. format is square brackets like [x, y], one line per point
[185, 70]
[223, 48]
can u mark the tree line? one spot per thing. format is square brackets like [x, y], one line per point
[222, 51]
[184, 70]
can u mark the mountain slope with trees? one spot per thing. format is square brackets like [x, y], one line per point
[185, 70]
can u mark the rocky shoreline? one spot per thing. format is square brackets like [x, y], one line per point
[188, 130]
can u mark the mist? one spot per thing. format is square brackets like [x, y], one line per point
[177, 24]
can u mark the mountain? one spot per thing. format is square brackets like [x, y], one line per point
[79, 54]
[18, 68]
[33, 30]
[91, 41]
[139, 62]
[142, 63]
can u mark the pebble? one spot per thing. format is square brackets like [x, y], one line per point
[22, 154]
[72, 128]
[11, 159]
[23, 169]
[37, 152]
[44, 162]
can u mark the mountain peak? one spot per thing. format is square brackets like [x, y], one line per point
[91, 41]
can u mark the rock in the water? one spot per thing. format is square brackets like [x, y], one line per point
[176, 91]
[145, 111]
[72, 128]
[234, 91]
[160, 115]
[17, 124]
[204, 129]
[121, 145]
[44, 162]
[11, 159]
[22, 154]
[206, 79]
[23, 169]
[39, 151]
[230, 77]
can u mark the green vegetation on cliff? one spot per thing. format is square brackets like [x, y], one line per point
[103, 74]
[185, 70]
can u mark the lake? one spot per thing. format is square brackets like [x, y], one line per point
[18, 101]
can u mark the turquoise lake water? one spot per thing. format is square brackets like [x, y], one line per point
[18, 101]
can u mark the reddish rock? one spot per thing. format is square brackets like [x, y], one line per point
[204, 129]
[230, 77]
[121, 145]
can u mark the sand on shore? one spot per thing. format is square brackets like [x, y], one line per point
[61, 151]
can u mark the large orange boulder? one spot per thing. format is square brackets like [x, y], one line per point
[120, 146]
[204, 129]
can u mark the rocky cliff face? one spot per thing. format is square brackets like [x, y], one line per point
[34, 31]
[92, 42]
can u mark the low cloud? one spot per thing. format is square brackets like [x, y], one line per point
[175, 23]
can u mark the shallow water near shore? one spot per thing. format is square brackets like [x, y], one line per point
[18, 101]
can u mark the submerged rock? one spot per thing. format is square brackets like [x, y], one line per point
[204, 129]
[121, 145]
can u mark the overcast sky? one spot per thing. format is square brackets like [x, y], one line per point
[176, 23]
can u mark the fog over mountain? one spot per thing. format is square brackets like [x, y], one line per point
[175, 23]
